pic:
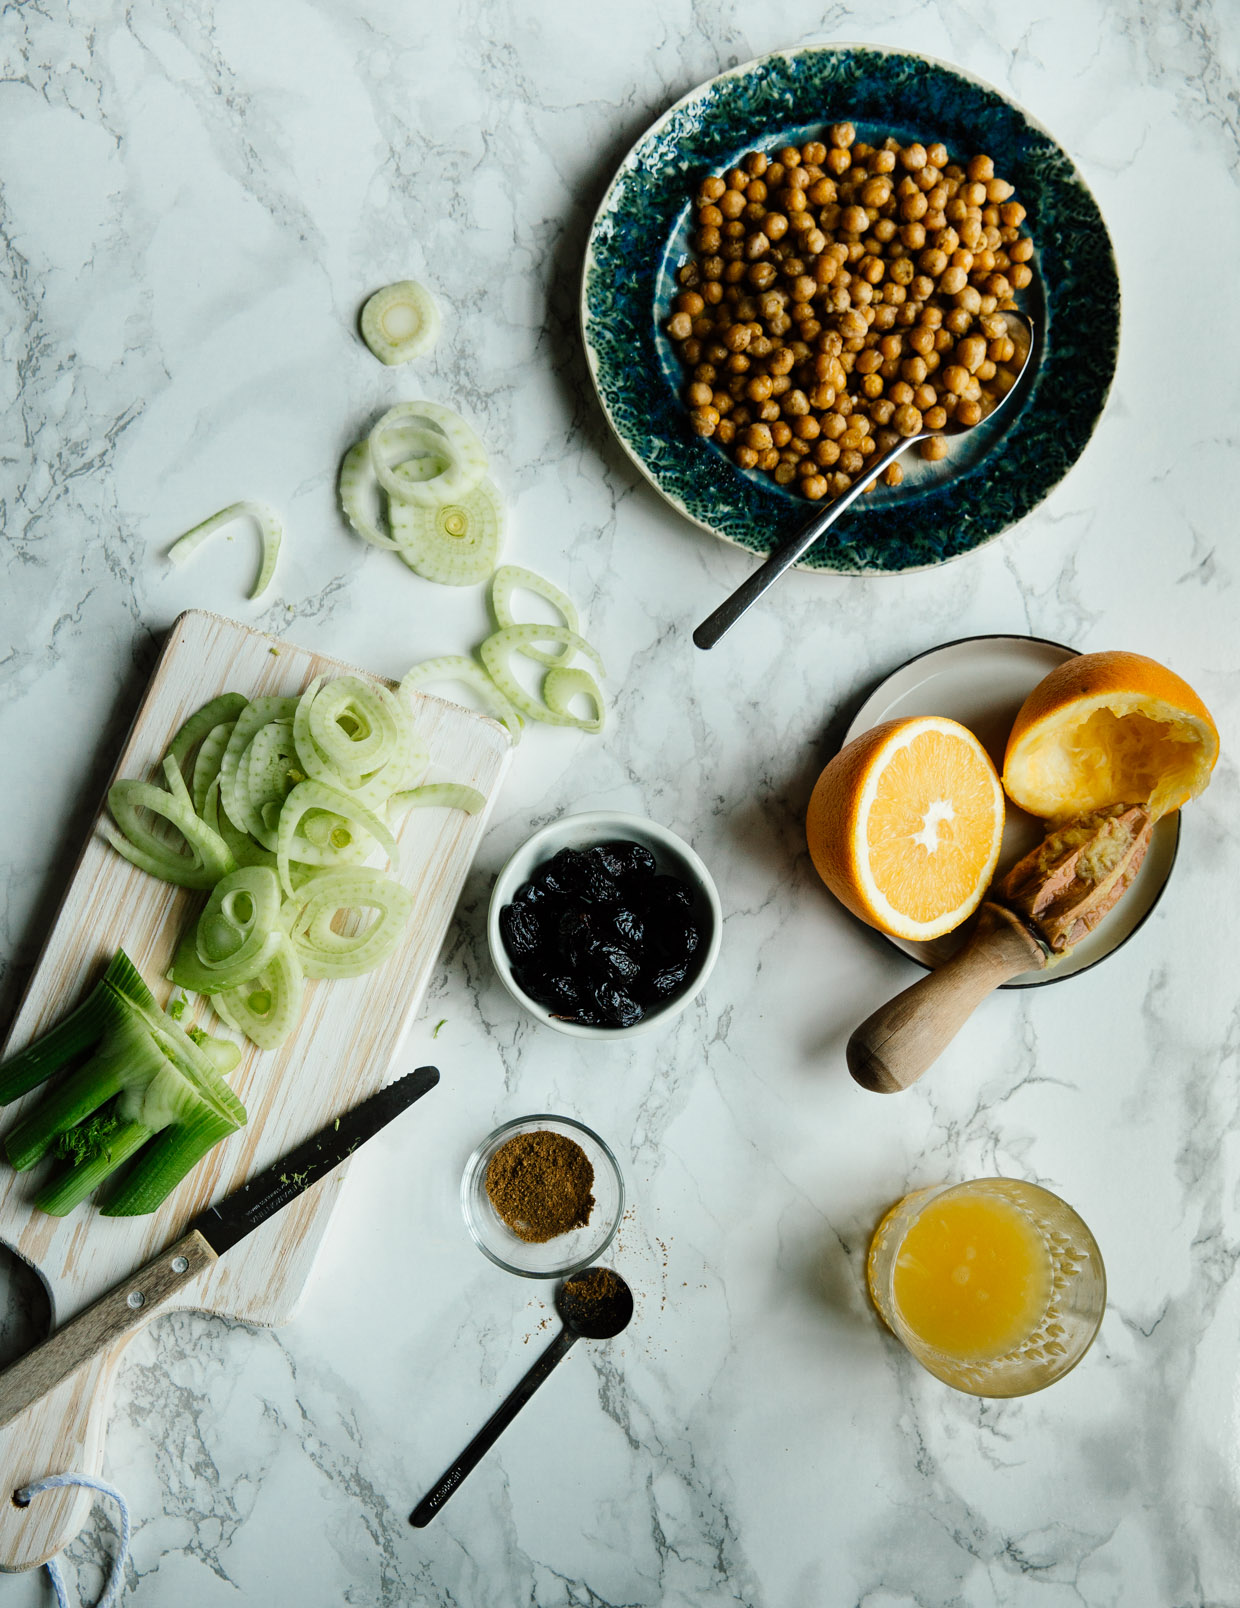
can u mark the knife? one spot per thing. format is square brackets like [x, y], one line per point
[214, 1231]
[1044, 906]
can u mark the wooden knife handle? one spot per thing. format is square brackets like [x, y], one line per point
[96, 1331]
[892, 1048]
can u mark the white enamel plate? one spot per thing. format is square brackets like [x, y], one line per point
[982, 682]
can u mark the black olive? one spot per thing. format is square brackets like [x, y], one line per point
[521, 930]
[614, 964]
[556, 876]
[628, 927]
[560, 993]
[576, 936]
[617, 1008]
[626, 859]
[668, 893]
[665, 981]
[675, 940]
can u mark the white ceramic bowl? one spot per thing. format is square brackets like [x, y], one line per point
[672, 855]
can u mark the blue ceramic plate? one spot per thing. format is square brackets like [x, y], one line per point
[640, 237]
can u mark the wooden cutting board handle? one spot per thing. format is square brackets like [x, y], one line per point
[892, 1048]
[61, 1434]
[54, 1403]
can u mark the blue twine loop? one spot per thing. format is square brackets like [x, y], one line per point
[116, 1579]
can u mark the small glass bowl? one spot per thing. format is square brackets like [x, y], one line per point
[567, 1253]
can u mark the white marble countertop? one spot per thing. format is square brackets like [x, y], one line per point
[195, 201]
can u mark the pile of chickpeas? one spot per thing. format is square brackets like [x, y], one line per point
[843, 296]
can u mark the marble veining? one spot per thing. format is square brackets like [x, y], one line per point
[195, 201]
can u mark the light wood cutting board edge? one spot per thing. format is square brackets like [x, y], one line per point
[437, 851]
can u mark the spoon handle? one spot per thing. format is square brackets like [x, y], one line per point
[785, 555]
[491, 1430]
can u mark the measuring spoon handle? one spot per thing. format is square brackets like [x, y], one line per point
[491, 1430]
[784, 556]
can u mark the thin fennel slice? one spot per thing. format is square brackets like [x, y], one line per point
[310, 913]
[208, 858]
[437, 795]
[267, 774]
[199, 725]
[347, 723]
[510, 578]
[498, 649]
[207, 764]
[270, 531]
[242, 847]
[358, 726]
[455, 667]
[256, 714]
[358, 486]
[560, 687]
[308, 796]
[400, 322]
[466, 459]
[267, 1007]
[236, 935]
[455, 543]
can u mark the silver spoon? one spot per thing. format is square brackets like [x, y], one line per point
[586, 1313]
[1020, 331]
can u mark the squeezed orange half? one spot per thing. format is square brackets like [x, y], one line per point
[973, 1277]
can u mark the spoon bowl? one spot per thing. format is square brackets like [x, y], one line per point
[596, 1304]
[1021, 332]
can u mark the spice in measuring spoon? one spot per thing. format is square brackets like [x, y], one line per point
[541, 1185]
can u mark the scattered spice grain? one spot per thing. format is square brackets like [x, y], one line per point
[540, 1184]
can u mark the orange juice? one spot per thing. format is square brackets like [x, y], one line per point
[972, 1278]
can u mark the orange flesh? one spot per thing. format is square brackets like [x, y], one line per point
[934, 803]
[1112, 758]
[973, 1277]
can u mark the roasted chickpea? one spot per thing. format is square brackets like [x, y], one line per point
[933, 448]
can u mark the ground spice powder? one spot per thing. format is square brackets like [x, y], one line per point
[540, 1184]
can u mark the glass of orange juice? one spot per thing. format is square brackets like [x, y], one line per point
[996, 1286]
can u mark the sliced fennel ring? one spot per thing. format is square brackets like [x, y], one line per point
[510, 578]
[208, 858]
[463, 455]
[357, 487]
[455, 543]
[498, 649]
[309, 917]
[270, 530]
[266, 1007]
[437, 795]
[456, 667]
[353, 818]
[400, 322]
[561, 686]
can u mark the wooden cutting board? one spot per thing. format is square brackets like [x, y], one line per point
[350, 1032]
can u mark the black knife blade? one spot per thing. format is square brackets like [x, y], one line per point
[238, 1214]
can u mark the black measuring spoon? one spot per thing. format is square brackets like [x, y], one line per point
[596, 1305]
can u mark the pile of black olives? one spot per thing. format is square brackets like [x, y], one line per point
[598, 936]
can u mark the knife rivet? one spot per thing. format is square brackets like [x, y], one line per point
[179, 1264]
[136, 1299]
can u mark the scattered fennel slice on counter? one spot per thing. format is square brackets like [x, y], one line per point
[270, 531]
[400, 322]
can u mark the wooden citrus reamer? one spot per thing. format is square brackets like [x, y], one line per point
[1047, 903]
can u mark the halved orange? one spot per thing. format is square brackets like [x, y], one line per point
[905, 824]
[1109, 728]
